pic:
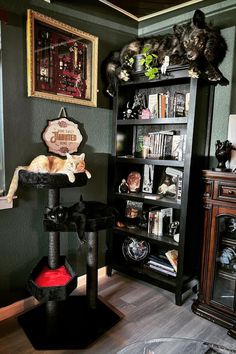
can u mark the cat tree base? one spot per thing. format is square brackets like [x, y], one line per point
[69, 324]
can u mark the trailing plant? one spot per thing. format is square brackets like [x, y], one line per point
[149, 61]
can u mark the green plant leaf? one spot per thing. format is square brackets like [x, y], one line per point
[145, 49]
[131, 60]
[148, 62]
[141, 61]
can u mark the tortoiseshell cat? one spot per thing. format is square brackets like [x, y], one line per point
[50, 164]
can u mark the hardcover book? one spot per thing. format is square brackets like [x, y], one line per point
[153, 105]
[172, 256]
[179, 104]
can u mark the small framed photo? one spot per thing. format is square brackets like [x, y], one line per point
[61, 61]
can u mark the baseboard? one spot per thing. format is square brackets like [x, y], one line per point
[26, 304]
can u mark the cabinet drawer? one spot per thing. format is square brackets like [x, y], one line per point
[227, 192]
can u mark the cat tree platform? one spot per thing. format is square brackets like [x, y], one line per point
[73, 322]
[50, 180]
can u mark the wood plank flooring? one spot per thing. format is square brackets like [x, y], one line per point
[149, 312]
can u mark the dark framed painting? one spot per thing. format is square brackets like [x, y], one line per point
[61, 61]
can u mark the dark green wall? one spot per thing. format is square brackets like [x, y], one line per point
[22, 240]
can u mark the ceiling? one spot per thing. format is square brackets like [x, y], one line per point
[143, 9]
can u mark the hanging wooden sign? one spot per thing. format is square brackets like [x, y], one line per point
[62, 135]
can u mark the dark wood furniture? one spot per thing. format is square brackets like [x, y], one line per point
[217, 300]
[196, 126]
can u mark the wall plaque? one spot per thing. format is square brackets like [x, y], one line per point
[62, 136]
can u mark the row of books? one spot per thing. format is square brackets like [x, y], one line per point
[164, 105]
[166, 144]
[159, 221]
[164, 263]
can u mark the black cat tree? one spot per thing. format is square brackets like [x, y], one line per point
[62, 321]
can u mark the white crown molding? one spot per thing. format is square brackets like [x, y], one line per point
[154, 14]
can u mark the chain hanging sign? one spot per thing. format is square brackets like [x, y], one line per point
[62, 135]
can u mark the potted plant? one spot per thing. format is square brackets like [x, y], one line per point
[150, 63]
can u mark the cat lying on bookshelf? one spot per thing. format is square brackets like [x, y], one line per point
[195, 43]
[204, 46]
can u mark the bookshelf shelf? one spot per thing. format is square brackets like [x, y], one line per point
[161, 121]
[138, 160]
[149, 199]
[143, 234]
[174, 174]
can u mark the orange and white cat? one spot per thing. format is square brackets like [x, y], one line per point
[50, 164]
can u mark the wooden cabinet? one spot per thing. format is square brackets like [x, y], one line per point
[217, 298]
[194, 126]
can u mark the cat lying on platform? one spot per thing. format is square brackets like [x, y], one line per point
[60, 215]
[78, 215]
[50, 164]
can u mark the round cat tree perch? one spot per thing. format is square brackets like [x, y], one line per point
[74, 321]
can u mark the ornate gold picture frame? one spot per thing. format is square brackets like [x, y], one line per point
[62, 61]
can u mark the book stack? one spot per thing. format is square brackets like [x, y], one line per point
[161, 264]
[159, 221]
[164, 105]
[164, 144]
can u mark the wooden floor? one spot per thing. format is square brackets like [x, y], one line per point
[149, 312]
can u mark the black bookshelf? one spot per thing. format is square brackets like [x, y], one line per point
[196, 126]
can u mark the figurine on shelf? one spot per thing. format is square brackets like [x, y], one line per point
[227, 259]
[167, 188]
[173, 228]
[138, 105]
[123, 187]
[222, 153]
[128, 112]
[133, 181]
[229, 231]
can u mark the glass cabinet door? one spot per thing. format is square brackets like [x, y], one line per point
[225, 262]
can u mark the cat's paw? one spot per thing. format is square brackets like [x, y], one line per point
[194, 74]
[88, 174]
[71, 178]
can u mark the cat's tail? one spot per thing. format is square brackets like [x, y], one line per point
[14, 183]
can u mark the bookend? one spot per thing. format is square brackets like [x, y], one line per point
[63, 321]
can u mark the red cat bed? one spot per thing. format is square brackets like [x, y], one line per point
[53, 277]
[52, 284]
